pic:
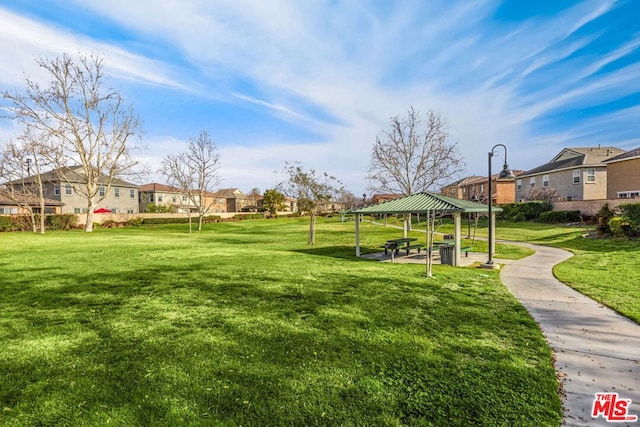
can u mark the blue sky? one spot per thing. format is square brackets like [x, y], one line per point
[315, 81]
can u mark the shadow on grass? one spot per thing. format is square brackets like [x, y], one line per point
[339, 252]
[200, 343]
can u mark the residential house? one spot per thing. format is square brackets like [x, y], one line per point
[623, 175]
[9, 207]
[236, 199]
[215, 203]
[459, 189]
[502, 190]
[575, 173]
[380, 198]
[123, 197]
[172, 198]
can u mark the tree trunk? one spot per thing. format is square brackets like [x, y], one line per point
[200, 218]
[33, 220]
[312, 230]
[42, 215]
[88, 226]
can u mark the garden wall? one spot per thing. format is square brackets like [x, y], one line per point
[590, 207]
[124, 217]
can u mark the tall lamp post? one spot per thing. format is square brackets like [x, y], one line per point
[504, 175]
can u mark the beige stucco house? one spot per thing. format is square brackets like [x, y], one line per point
[236, 199]
[123, 197]
[459, 189]
[8, 205]
[169, 197]
[623, 175]
[575, 173]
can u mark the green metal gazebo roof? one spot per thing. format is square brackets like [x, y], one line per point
[423, 202]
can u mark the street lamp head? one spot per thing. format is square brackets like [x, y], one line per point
[506, 173]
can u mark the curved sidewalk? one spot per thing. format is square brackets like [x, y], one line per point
[597, 350]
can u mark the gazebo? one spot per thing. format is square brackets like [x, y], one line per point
[430, 205]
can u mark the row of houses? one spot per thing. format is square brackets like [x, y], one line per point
[125, 197]
[574, 174]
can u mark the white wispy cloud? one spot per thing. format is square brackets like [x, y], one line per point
[339, 70]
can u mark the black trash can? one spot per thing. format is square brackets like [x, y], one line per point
[446, 254]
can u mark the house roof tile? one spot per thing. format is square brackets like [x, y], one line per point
[631, 154]
[576, 157]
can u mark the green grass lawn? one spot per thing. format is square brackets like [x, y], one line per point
[605, 269]
[245, 324]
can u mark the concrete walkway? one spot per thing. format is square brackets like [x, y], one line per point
[597, 350]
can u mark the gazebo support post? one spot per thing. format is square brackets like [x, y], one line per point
[357, 218]
[457, 221]
[404, 226]
[429, 248]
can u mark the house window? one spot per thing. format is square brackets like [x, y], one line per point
[151, 197]
[628, 194]
[159, 198]
[545, 180]
[591, 175]
[519, 184]
[569, 198]
[184, 198]
[116, 192]
[76, 210]
[576, 177]
[56, 190]
[9, 211]
[174, 199]
[102, 192]
[532, 182]
[132, 194]
[481, 188]
[68, 190]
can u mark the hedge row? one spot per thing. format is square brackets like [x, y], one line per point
[560, 216]
[51, 222]
[524, 211]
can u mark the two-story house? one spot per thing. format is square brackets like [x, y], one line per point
[123, 197]
[575, 173]
[215, 203]
[459, 189]
[236, 199]
[9, 205]
[623, 175]
[502, 190]
[171, 198]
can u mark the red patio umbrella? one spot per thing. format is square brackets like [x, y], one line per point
[102, 210]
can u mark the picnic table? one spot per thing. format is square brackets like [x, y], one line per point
[404, 244]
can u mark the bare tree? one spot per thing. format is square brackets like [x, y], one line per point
[348, 200]
[88, 125]
[312, 191]
[195, 172]
[412, 156]
[17, 162]
[254, 195]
